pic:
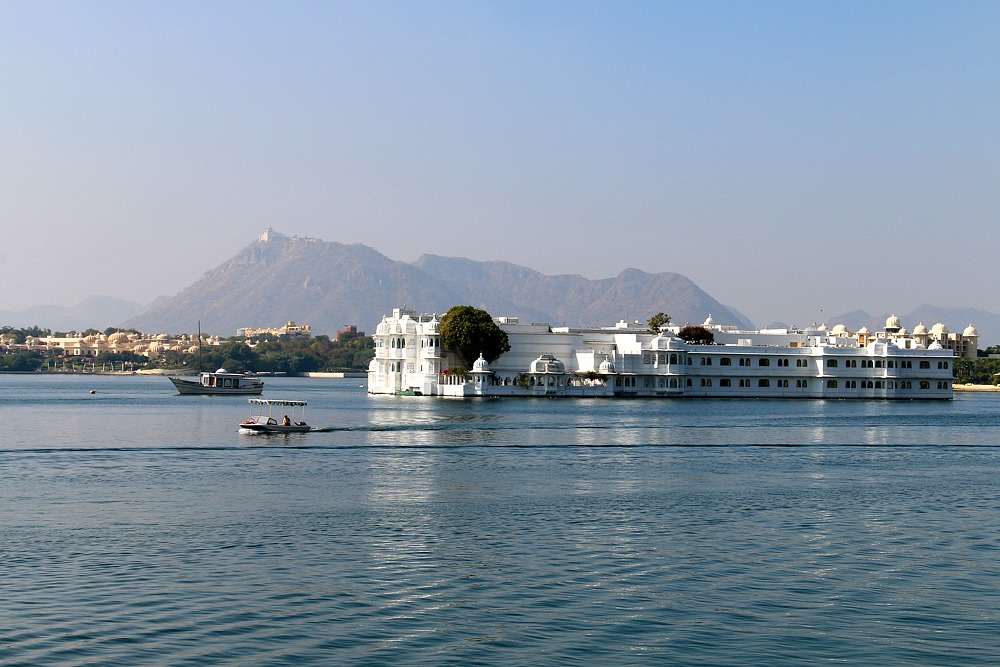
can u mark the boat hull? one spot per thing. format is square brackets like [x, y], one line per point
[195, 387]
[274, 428]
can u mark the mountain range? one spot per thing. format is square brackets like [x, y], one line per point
[330, 285]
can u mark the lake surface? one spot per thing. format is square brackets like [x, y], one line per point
[138, 527]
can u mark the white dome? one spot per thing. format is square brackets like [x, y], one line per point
[970, 331]
[935, 346]
[546, 363]
[709, 322]
[675, 343]
[863, 331]
[939, 328]
[118, 337]
[480, 365]
[920, 330]
[660, 342]
[606, 366]
[840, 330]
[892, 322]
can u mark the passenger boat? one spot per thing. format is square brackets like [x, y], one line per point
[263, 420]
[221, 382]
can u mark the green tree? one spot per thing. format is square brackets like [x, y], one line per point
[658, 321]
[469, 332]
[696, 335]
[22, 361]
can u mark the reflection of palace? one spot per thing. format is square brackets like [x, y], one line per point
[629, 360]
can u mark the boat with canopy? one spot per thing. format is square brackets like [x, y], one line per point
[272, 415]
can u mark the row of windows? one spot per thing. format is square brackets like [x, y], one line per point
[662, 358]
[397, 366]
[394, 343]
[398, 343]
[877, 363]
[785, 384]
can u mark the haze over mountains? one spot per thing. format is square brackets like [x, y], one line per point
[329, 285]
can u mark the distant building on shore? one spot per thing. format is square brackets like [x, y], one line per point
[290, 329]
[148, 345]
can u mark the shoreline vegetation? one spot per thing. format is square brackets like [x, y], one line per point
[119, 351]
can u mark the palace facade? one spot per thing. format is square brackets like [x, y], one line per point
[629, 360]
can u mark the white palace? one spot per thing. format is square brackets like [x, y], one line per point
[629, 360]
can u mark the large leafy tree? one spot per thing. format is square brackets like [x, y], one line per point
[658, 321]
[469, 331]
[697, 335]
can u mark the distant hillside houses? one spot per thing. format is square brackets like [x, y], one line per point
[290, 329]
[147, 345]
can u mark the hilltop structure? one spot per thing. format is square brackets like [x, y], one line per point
[629, 360]
[290, 329]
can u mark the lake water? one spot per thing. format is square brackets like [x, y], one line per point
[137, 527]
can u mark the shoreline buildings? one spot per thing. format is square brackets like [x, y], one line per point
[629, 360]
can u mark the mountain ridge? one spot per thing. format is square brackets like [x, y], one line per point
[329, 285]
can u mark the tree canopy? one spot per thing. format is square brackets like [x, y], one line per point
[696, 335]
[658, 321]
[469, 332]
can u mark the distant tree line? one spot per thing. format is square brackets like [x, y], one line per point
[981, 370]
[348, 351]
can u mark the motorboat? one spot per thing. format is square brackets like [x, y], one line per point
[262, 418]
[221, 382]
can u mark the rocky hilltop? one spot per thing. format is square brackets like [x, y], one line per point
[328, 285]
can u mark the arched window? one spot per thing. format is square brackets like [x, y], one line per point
[831, 384]
[831, 363]
[763, 382]
[763, 362]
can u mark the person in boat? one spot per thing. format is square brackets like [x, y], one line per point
[285, 421]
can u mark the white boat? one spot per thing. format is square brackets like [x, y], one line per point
[263, 420]
[221, 382]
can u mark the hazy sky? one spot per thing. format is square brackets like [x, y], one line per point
[791, 158]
